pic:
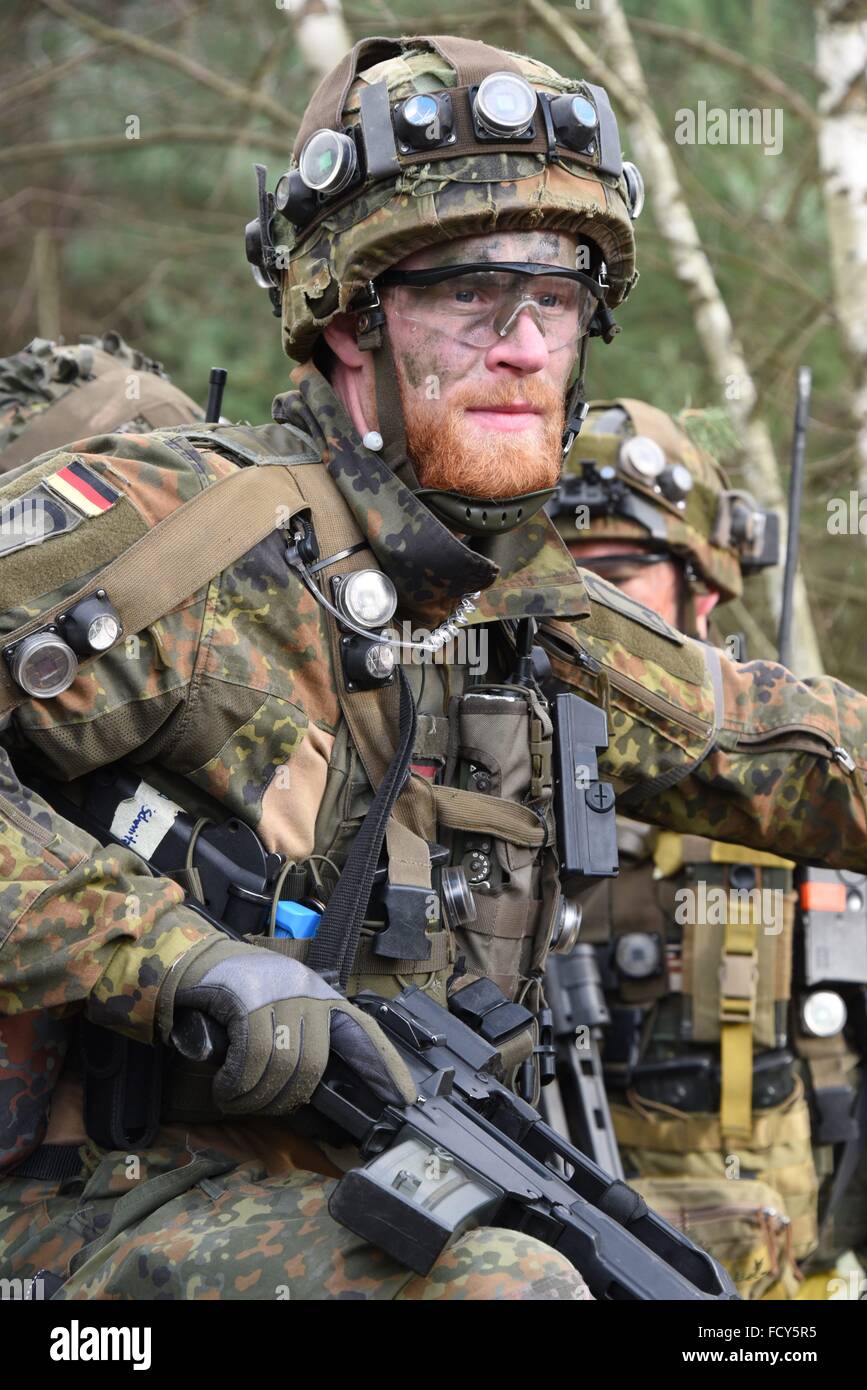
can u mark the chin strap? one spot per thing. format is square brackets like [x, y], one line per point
[576, 405]
[372, 336]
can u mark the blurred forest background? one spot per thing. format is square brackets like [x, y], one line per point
[129, 128]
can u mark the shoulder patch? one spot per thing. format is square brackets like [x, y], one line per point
[600, 591]
[34, 517]
[85, 490]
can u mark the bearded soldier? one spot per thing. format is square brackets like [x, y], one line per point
[220, 642]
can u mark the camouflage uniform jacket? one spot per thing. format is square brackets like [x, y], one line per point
[236, 682]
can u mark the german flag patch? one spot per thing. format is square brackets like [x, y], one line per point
[82, 488]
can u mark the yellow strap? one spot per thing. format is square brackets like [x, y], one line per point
[673, 850]
[721, 853]
[668, 854]
[736, 1101]
[175, 559]
[739, 976]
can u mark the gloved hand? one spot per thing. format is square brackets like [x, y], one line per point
[282, 1021]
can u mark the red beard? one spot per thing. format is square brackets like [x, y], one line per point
[452, 454]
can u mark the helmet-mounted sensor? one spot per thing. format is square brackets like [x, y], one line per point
[753, 531]
[424, 120]
[328, 162]
[502, 108]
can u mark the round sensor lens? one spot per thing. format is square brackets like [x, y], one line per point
[367, 598]
[504, 104]
[328, 161]
[44, 665]
[282, 192]
[642, 456]
[420, 111]
[103, 632]
[634, 188]
[584, 113]
[823, 1013]
[676, 483]
[637, 955]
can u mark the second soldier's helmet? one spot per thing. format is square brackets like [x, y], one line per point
[633, 474]
[55, 393]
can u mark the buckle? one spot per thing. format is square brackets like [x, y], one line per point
[738, 981]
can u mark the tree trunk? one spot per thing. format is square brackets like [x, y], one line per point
[321, 32]
[841, 61]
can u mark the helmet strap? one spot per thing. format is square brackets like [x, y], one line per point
[389, 406]
[576, 405]
[371, 335]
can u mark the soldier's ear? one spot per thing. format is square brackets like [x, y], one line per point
[705, 603]
[340, 337]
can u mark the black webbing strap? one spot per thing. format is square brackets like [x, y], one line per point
[50, 1163]
[122, 1088]
[848, 1159]
[333, 949]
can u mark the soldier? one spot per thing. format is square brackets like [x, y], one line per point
[703, 1077]
[437, 253]
[52, 393]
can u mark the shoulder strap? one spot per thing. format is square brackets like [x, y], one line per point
[239, 442]
[182, 553]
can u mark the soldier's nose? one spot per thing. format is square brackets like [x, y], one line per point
[523, 349]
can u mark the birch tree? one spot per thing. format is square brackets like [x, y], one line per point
[841, 63]
[320, 32]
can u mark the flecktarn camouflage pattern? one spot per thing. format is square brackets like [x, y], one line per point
[747, 752]
[220, 1230]
[679, 1153]
[54, 393]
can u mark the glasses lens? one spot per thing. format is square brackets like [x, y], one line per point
[619, 569]
[483, 307]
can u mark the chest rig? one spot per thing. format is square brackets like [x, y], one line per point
[469, 894]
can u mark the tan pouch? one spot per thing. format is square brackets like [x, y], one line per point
[661, 1142]
[741, 1223]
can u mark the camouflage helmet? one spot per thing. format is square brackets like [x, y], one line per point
[633, 474]
[54, 393]
[404, 132]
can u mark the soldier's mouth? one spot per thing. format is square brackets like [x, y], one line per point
[520, 415]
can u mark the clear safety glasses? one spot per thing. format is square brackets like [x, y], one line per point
[480, 303]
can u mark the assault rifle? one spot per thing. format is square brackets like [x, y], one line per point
[469, 1151]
